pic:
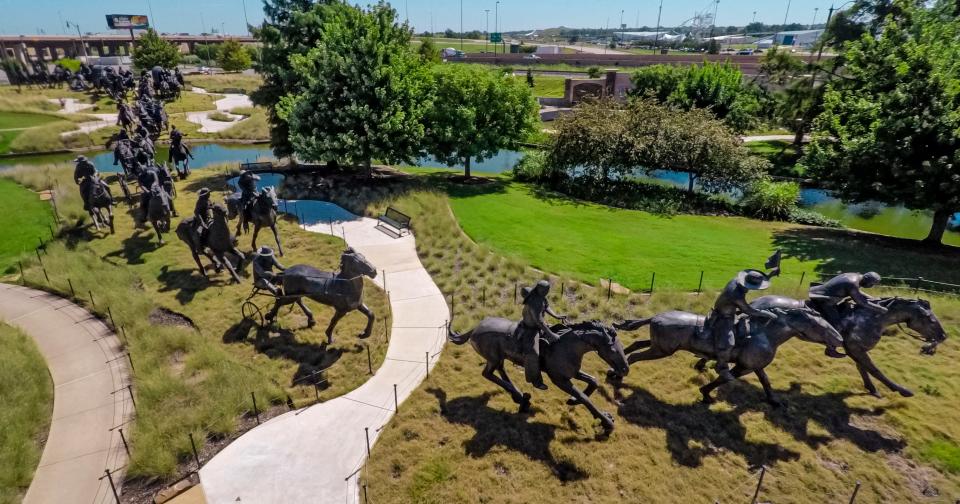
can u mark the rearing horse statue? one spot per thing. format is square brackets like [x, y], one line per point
[497, 341]
[757, 340]
[263, 213]
[342, 290]
[862, 328]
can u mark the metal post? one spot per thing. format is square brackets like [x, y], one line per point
[23, 278]
[365, 500]
[700, 285]
[130, 359]
[653, 278]
[124, 439]
[369, 360]
[44, 268]
[41, 244]
[763, 471]
[384, 279]
[366, 432]
[73, 293]
[396, 403]
[316, 391]
[123, 331]
[112, 486]
[427, 362]
[563, 290]
[92, 302]
[856, 490]
[916, 288]
[483, 296]
[515, 285]
[130, 390]
[609, 287]
[37, 250]
[256, 412]
[196, 457]
[110, 314]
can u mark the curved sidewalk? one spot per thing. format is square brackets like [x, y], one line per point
[87, 366]
[314, 454]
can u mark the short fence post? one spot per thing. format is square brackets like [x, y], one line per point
[856, 490]
[365, 500]
[196, 457]
[110, 314]
[42, 246]
[563, 290]
[50, 227]
[609, 287]
[44, 268]
[483, 296]
[515, 287]
[112, 485]
[132, 400]
[366, 432]
[916, 288]
[316, 391]
[123, 331]
[73, 293]
[130, 358]
[653, 278]
[37, 250]
[369, 360]
[123, 438]
[396, 403]
[23, 278]
[756, 494]
[700, 285]
[427, 362]
[384, 279]
[256, 412]
[803, 276]
[92, 302]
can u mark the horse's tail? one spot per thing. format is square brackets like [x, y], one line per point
[632, 325]
[456, 338]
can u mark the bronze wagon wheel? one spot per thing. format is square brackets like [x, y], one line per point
[251, 312]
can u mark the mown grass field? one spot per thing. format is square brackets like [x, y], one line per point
[546, 86]
[15, 120]
[225, 83]
[459, 439]
[196, 361]
[783, 155]
[26, 392]
[27, 221]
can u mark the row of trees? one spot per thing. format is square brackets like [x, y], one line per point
[152, 50]
[343, 85]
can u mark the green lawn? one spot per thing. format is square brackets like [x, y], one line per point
[6, 138]
[11, 120]
[590, 242]
[27, 221]
[546, 86]
[782, 154]
[26, 393]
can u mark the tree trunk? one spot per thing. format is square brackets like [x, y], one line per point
[693, 178]
[466, 167]
[940, 220]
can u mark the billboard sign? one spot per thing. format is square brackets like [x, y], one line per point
[127, 22]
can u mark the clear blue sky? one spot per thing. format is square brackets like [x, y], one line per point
[29, 16]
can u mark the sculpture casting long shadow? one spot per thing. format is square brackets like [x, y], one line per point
[505, 429]
[684, 423]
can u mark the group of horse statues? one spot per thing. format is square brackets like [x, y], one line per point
[837, 315]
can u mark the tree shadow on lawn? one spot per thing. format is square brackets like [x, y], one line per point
[837, 250]
[498, 428]
[722, 431]
[281, 343]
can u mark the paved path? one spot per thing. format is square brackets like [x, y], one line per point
[82, 356]
[770, 138]
[71, 105]
[103, 121]
[224, 105]
[592, 49]
[313, 454]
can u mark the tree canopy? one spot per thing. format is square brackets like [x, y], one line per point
[889, 128]
[364, 91]
[151, 50]
[233, 57]
[476, 112]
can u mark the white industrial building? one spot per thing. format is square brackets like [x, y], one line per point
[648, 36]
[802, 38]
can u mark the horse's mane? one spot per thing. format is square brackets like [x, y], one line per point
[591, 325]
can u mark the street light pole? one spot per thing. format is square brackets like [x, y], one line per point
[461, 25]
[713, 26]
[82, 45]
[815, 11]
[754, 17]
[621, 25]
[496, 24]
[245, 20]
[486, 31]
[656, 40]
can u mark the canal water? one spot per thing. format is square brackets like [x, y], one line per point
[873, 217]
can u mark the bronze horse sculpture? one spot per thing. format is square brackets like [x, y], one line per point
[180, 155]
[862, 329]
[99, 198]
[214, 242]
[263, 213]
[757, 340]
[342, 290]
[495, 339]
[158, 211]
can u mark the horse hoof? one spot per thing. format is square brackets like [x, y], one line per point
[573, 402]
[311, 323]
[364, 335]
[876, 394]
[905, 392]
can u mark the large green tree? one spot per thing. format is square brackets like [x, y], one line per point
[151, 50]
[365, 91]
[290, 27]
[889, 129]
[476, 112]
[233, 57]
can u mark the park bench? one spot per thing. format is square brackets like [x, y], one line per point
[261, 166]
[395, 219]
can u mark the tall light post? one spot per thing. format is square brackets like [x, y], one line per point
[754, 17]
[245, 20]
[713, 26]
[83, 46]
[815, 11]
[656, 39]
[486, 32]
[461, 25]
[496, 23]
[787, 14]
[621, 25]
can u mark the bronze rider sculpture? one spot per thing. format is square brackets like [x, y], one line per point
[83, 174]
[263, 275]
[533, 327]
[826, 297]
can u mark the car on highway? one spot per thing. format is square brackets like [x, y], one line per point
[532, 57]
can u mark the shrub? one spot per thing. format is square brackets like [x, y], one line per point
[151, 50]
[811, 218]
[593, 72]
[232, 57]
[532, 167]
[70, 64]
[191, 59]
[771, 200]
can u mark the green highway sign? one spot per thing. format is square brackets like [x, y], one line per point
[496, 37]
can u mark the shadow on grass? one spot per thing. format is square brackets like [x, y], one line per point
[496, 428]
[843, 250]
[186, 281]
[135, 246]
[281, 343]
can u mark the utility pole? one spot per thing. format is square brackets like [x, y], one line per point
[245, 20]
[486, 32]
[815, 11]
[656, 40]
[496, 24]
[461, 25]
[83, 46]
[713, 26]
[754, 17]
[785, 16]
[153, 19]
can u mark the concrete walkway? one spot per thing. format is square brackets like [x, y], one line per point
[87, 366]
[314, 454]
[224, 105]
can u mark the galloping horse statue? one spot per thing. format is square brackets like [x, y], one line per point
[342, 290]
[215, 242]
[180, 155]
[158, 211]
[757, 340]
[99, 199]
[263, 213]
[862, 328]
[496, 340]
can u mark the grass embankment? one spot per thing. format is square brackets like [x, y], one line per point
[27, 219]
[783, 155]
[26, 392]
[459, 439]
[198, 380]
[221, 117]
[225, 83]
[546, 86]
